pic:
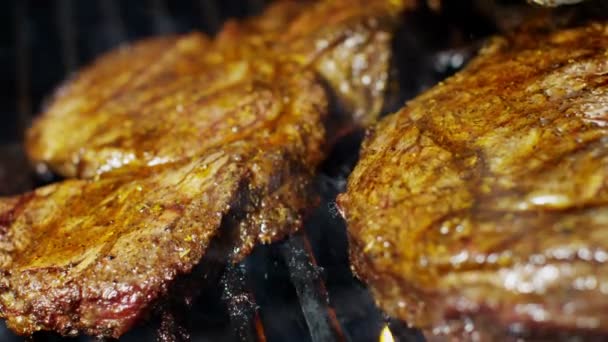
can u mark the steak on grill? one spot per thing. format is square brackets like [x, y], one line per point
[480, 210]
[169, 98]
[178, 142]
[553, 3]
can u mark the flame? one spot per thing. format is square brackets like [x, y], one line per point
[386, 335]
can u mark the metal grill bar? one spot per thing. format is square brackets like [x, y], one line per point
[113, 25]
[170, 329]
[403, 333]
[67, 34]
[23, 55]
[161, 18]
[255, 6]
[306, 276]
[242, 307]
[210, 15]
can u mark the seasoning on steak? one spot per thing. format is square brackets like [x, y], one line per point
[179, 141]
[480, 210]
[169, 98]
[553, 3]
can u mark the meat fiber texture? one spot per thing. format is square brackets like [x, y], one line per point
[172, 143]
[480, 210]
[553, 3]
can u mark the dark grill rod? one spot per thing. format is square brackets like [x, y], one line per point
[306, 277]
[170, 328]
[114, 26]
[67, 34]
[255, 6]
[242, 308]
[161, 18]
[402, 333]
[210, 15]
[23, 56]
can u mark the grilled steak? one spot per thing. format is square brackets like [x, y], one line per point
[480, 210]
[176, 142]
[169, 98]
[553, 3]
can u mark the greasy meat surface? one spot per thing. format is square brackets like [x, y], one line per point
[481, 208]
[93, 254]
[169, 98]
[555, 2]
[176, 142]
[73, 251]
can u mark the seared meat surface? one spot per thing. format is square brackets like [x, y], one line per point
[95, 252]
[480, 210]
[169, 98]
[553, 3]
[176, 142]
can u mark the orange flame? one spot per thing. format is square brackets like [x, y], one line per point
[386, 335]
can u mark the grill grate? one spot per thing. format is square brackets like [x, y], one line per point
[299, 290]
[67, 34]
[307, 279]
[242, 308]
[23, 59]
